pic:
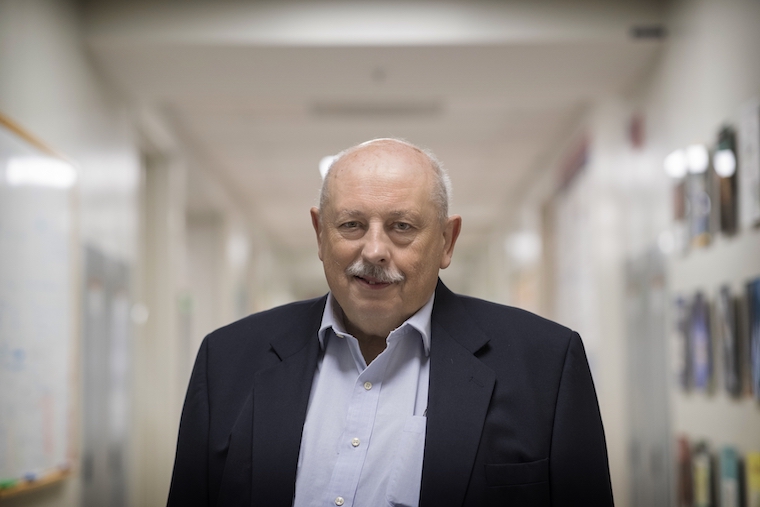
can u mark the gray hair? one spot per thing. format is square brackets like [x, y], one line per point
[441, 192]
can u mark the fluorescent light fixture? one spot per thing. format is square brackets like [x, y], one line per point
[675, 164]
[666, 242]
[40, 171]
[698, 158]
[724, 162]
[237, 249]
[324, 165]
[139, 313]
[524, 247]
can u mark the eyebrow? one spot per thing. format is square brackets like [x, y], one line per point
[393, 213]
[404, 214]
[349, 213]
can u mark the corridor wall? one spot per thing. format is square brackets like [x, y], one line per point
[707, 73]
[48, 86]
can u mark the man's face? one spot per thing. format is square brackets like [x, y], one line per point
[380, 213]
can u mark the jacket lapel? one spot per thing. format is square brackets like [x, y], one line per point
[458, 399]
[280, 400]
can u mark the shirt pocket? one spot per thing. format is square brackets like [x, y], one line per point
[515, 474]
[406, 474]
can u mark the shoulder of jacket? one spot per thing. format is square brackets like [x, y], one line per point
[498, 317]
[280, 318]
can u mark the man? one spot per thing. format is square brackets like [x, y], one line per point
[390, 390]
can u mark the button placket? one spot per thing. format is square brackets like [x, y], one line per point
[357, 432]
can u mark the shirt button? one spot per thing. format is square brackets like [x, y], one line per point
[355, 442]
[339, 501]
[368, 385]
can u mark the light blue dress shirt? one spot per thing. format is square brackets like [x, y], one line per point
[364, 435]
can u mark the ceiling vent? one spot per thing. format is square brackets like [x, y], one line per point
[375, 110]
[651, 32]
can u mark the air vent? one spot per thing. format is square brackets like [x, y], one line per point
[653, 32]
[376, 109]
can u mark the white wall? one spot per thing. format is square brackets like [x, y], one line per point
[49, 87]
[707, 71]
[133, 206]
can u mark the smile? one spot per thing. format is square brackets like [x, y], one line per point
[371, 282]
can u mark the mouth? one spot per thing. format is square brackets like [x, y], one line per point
[372, 283]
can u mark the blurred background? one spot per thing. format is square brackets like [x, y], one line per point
[158, 160]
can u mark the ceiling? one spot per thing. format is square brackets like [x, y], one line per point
[261, 91]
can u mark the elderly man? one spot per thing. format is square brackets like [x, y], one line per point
[390, 390]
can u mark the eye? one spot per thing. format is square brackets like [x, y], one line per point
[349, 225]
[402, 226]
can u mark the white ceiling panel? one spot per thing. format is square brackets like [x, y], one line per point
[261, 91]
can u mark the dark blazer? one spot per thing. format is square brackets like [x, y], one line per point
[512, 413]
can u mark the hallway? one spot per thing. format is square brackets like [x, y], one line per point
[194, 131]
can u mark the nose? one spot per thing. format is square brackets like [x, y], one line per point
[376, 248]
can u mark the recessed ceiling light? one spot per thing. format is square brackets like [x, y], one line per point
[40, 171]
[724, 162]
[675, 164]
[698, 158]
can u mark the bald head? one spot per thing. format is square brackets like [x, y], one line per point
[371, 151]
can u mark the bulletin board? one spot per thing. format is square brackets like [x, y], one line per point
[38, 309]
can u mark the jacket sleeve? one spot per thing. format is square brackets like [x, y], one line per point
[579, 470]
[189, 485]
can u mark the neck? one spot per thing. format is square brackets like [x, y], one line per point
[371, 345]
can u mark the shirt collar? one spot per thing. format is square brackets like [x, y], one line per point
[333, 318]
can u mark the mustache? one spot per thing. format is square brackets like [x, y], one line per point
[365, 269]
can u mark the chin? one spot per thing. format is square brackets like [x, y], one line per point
[374, 313]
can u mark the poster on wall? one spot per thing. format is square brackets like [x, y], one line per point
[701, 343]
[685, 492]
[724, 164]
[682, 344]
[699, 206]
[749, 164]
[702, 472]
[753, 306]
[729, 485]
[726, 315]
[752, 478]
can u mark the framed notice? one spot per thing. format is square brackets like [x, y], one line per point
[702, 473]
[699, 206]
[725, 307]
[701, 343]
[724, 164]
[681, 356]
[752, 478]
[730, 478]
[753, 306]
[685, 492]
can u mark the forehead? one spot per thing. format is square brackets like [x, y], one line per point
[388, 167]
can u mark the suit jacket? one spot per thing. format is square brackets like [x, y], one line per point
[512, 413]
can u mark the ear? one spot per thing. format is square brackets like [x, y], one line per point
[450, 234]
[317, 224]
